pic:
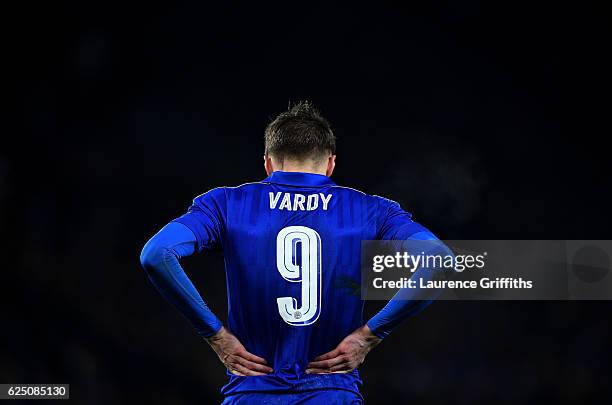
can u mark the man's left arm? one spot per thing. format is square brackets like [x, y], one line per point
[201, 228]
[160, 259]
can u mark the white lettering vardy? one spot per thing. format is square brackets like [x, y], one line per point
[299, 202]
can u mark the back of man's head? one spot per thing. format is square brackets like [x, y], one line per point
[300, 134]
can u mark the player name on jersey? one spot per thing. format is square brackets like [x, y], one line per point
[299, 202]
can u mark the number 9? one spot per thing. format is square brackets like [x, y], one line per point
[288, 241]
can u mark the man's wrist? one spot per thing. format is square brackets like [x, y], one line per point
[217, 336]
[368, 335]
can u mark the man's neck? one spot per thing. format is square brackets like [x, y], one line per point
[289, 166]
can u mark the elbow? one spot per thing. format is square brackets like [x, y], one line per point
[152, 256]
[145, 259]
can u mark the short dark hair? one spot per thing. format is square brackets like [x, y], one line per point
[301, 132]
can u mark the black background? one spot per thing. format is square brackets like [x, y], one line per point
[487, 120]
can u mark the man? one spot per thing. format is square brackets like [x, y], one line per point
[295, 332]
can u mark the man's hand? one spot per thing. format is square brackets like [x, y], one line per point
[235, 357]
[348, 355]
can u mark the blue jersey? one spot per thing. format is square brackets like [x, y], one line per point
[292, 246]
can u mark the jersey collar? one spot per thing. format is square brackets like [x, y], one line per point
[299, 179]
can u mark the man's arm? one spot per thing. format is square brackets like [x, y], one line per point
[407, 302]
[160, 259]
[397, 225]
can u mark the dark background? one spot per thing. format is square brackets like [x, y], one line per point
[487, 120]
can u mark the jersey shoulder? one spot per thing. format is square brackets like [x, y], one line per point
[219, 197]
[381, 204]
[222, 192]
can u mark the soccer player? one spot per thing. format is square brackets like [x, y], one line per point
[295, 331]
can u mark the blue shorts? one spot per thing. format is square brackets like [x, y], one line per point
[327, 397]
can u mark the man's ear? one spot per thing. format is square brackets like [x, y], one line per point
[268, 166]
[331, 165]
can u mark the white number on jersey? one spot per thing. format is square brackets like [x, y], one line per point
[288, 241]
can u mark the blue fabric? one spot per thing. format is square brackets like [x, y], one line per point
[160, 259]
[408, 302]
[275, 271]
[327, 397]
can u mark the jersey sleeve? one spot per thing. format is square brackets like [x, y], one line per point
[396, 224]
[206, 219]
[160, 259]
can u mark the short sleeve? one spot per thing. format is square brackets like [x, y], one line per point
[206, 219]
[396, 224]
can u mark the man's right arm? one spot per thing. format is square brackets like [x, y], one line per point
[396, 224]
